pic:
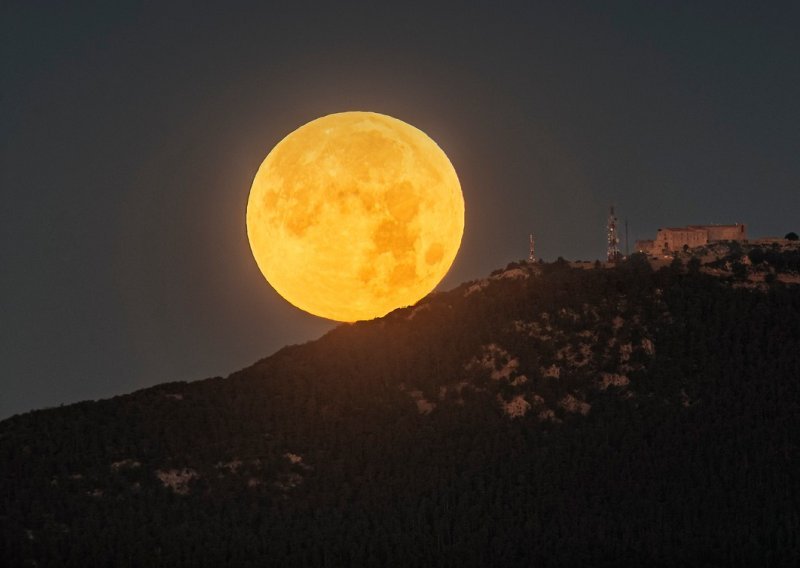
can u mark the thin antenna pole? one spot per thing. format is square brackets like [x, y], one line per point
[627, 249]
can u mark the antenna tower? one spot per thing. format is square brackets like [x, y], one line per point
[612, 253]
[532, 256]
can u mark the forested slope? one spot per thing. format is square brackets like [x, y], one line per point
[544, 416]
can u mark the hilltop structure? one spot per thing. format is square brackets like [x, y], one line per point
[677, 238]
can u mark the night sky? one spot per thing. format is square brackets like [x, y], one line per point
[131, 133]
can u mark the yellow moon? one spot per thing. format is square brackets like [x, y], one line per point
[355, 214]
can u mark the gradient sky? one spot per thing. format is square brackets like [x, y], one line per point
[131, 133]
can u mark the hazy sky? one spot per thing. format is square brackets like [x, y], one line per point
[131, 133]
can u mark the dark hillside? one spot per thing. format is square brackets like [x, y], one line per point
[545, 416]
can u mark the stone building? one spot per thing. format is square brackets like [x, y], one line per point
[676, 238]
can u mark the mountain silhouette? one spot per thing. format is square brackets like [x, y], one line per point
[555, 414]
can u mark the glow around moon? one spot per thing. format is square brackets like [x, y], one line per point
[355, 214]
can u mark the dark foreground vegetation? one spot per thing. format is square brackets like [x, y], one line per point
[547, 416]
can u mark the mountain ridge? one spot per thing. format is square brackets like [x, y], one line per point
[546, 414]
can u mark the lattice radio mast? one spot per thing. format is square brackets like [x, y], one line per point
[612, 253]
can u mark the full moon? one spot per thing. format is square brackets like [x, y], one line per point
[355, 214]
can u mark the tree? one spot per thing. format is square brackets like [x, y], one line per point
[756, 256]
[792, 236]
[739, 270]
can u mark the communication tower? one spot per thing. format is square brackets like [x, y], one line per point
[612, 253]
[532, 256]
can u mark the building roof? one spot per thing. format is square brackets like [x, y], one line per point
[692, 228]
[715, 226]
